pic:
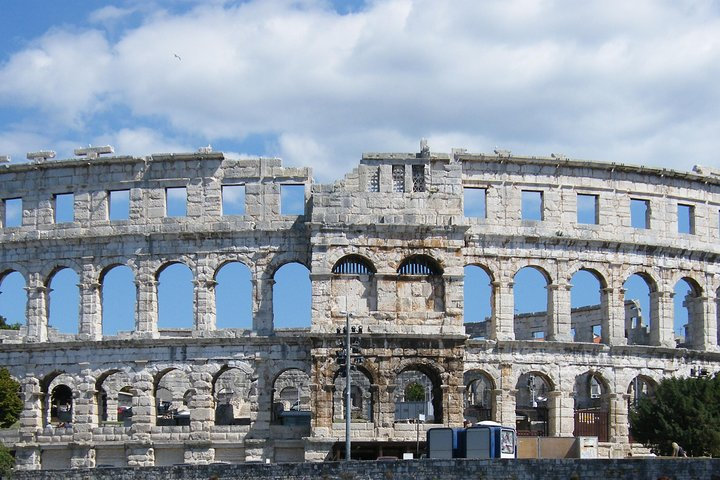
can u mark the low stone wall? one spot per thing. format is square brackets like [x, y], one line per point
[566, 469]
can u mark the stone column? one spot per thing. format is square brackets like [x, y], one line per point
[204, 305]
[202, 413]
[702, 322]
[619, 421]
[262, 307]
[146, 313]
[84, 406]
[506, 396]
[90, 306]
[143, 405]
[37, 314]
[558, 313]
[561, 410]
[503, 313]
[31, 418]
[661, 324]
[612, 304]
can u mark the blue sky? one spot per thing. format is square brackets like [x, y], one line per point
[319, 82]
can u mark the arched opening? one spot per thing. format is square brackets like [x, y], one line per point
[13, 300]
[175, 297]
[638, 312]
[292, 296]
[63, 303]
[418, 392]
[118, 297]
[479, 404]
[361, 399]
[586, 307]
[420, 285]
[688, 313]
[592, 408]
[531, 301]
[353, 285]
[233, 296]
[61, 406]
[172, 398]
[114, 398]
[291, 398]
[232, 396]
[531, 405]
[640, 387]
[477, 301]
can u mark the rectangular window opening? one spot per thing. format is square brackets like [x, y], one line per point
[639, 213]
[686, 219]
[398, 178]
[538, 335]
[292, 199]
[175, 201]
[233, 199]
[474, 202]
[587, 209]
[13, 212]
[597, 333]
[532, 205]
[373, 183]
[64, 207]
[119, 205]
[418, 178]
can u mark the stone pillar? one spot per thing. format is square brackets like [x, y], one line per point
[506, 396]
[561, 413]
[31, 416]
[202, 412]
[702, 323]
[84, 406]
[146, 313]
[618, 422]
[262, 307]
[559, 324]
[502, 325]
[143, 405]
[36, 313]
[90, 306]
[612, 304]
[661, 324]
[204, 305]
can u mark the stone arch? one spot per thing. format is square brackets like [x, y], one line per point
[114, 396]
[479, 398]
[175, 293]
[688, 312]
[532, 407]
[478, 300]
[588, 310]
[362, 395]
[14, 311]
[429, 376]
[232, 395]
[334, 255]
[63, 285]
[353, 285]
[290, 392]
[292, 283]
[234, 289]
[170, 388]
[58, 389]
[121, 297]
[532, 321]
[420, 285]
[641, 315]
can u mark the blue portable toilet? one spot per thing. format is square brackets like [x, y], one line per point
[487, 440]
[440, 443]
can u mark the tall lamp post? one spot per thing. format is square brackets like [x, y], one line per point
[347, 354]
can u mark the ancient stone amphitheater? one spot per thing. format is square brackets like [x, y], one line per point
[387, 248]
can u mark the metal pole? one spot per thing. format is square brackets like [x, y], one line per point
[348, 359]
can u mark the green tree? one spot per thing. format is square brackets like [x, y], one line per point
[10, 402]
[7, 462]
[682, 410]
[8, 326]
[414, 393]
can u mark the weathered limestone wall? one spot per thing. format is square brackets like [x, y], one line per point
[386, 245]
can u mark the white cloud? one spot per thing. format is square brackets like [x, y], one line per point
[631, 82]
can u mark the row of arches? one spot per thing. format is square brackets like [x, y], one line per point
[234, 291]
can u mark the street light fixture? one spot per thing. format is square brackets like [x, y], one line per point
[347, 358]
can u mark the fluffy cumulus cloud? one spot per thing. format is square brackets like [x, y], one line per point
[318, 82]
